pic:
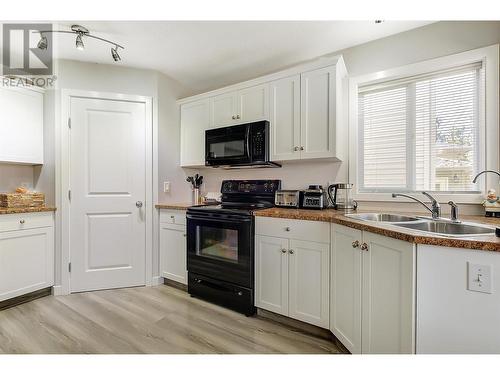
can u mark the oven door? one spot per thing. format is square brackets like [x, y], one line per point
[221, 246]
[228, 146]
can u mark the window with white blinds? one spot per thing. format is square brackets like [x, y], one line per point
[420, 133]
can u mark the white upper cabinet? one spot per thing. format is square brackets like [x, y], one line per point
[318, 113]
[224, 109]
[241, 106]
[253, 104]
[304, 105]
[21, 132]
[285, 118]
[195, 119]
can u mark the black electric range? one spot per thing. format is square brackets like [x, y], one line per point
[220, 244]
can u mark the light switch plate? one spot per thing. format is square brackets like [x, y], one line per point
[479, 277]
[166, 187]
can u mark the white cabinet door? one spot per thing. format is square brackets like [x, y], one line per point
[285, 118]
[225, 109]
[388, 296]
[309, 282]
[195, 119]
[271, 274]
[26, 261]
[253, 104]
[345, 297]
[173, 253]
[21, 132]
[318, 104]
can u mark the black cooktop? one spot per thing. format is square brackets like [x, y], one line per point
[242, 197]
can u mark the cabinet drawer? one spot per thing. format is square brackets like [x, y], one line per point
[173, 217]
[26, 221]
[295, 229]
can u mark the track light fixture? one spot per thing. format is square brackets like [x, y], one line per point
[80, 32]
[79, 42]
[114, 54]
[42, 43]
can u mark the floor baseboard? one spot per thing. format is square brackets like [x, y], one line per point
[175, 284]
[11, 302]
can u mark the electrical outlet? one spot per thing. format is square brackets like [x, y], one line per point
[479, 278]
[166, 187]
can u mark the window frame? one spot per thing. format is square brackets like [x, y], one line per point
[488, 140]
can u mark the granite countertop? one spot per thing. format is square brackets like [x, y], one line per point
[25, 210]
[480, 242]
[174, 206]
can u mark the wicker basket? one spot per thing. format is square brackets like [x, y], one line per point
[16, 200]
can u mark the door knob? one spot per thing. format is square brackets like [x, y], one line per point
[138, 204]
[355, 244]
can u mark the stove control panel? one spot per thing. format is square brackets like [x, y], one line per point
[250, 186]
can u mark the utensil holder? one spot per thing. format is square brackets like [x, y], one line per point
[196, 196]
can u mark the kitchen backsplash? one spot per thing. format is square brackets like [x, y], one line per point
[12, 176]
[294, 175]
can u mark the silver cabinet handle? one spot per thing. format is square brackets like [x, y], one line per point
[287, 229]
[355, 244]
[21, 221]
[283, 251]
[172, 216]
[233, 117]
[301, 148]
[138, 204]
[290, 251]
[296, 148]
[238, 117]
[364, 247]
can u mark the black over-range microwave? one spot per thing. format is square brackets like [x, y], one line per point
[239, 146]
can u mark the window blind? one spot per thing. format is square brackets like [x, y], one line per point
[421, 132]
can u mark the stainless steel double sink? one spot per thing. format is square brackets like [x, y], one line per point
[435, 226]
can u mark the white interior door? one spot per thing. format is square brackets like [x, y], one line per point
[108, 190]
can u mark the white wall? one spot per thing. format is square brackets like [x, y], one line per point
[431, 41]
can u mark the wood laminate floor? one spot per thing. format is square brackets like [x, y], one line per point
[144, 320]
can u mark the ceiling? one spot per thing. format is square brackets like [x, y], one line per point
[204, 55]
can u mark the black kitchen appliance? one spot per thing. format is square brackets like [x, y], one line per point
[314, 198]
[239, 146]
[220, 244]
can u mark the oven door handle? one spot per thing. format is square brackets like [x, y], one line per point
[233, 219]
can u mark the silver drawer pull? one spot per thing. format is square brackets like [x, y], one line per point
[283, 251]
[21, 221]
[172, 216]
[291, 251]
[287, 229]
[355, 244]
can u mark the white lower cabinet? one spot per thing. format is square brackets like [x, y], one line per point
[308, 278]
[26, 253]
[372, 292]
[292, 272]
[173, 252]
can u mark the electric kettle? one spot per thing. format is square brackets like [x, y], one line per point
[341, 197]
